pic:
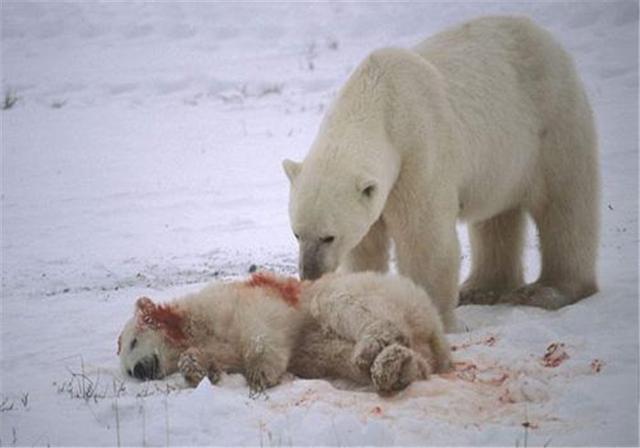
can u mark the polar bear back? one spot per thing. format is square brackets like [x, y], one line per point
[510, 85]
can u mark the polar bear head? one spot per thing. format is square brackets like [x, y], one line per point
[330, 213]
[341, 188]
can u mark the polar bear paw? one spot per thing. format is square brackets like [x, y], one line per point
[396, 367]
[375, 337]
[538, 295]
[478, 296]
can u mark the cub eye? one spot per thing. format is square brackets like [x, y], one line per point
[328, 239]
[133, 344]
[296, 235]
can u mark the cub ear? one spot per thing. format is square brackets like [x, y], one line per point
[291, 168]
[367, 188]
[145, 309]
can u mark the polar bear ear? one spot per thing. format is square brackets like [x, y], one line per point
[367, 188]
[291, 169]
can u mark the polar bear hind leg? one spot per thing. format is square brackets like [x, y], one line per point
[568, 245]
[566, 213]
[496, 258]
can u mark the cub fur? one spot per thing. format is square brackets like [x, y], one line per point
[367, 327]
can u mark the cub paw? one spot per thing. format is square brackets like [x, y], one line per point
[396, 367]
[191, 368]
[373, 340]
[260, 379]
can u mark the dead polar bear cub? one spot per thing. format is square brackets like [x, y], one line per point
[366, 327]
[485, 122]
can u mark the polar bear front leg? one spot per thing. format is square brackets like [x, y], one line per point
[496, 258]
[372, 253]
[428, 253]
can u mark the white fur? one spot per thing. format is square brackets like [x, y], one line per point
[485, 122]
[370, 328]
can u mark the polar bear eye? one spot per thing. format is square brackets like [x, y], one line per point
[368, 191]
[328, 239]
[133, 344]
[296, 235]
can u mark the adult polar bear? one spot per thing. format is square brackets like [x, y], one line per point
[483, 122]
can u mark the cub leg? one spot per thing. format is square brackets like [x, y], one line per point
[348, 316]
[372, 253]
[496, 258]
[265, 356]
[320, 353]
[373, 339]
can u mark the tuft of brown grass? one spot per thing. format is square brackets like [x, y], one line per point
[10, 99]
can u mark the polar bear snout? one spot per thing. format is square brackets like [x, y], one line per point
[310, 273]
[315, 258]
[309, 265]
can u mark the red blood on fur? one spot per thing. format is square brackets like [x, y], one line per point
[287, 288]
[162, 317]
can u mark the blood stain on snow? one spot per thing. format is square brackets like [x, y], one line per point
[555, 355]
[506, 397]
[470, 372]
[596, 365]
[489, 341]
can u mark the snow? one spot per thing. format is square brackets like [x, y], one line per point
[143, 158]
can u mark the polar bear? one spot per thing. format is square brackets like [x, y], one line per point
[486, 123]
[370, 328]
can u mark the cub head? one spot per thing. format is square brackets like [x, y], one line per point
[151, 341]
[330, 214]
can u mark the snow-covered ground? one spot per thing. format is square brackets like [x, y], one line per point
[142, 157]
